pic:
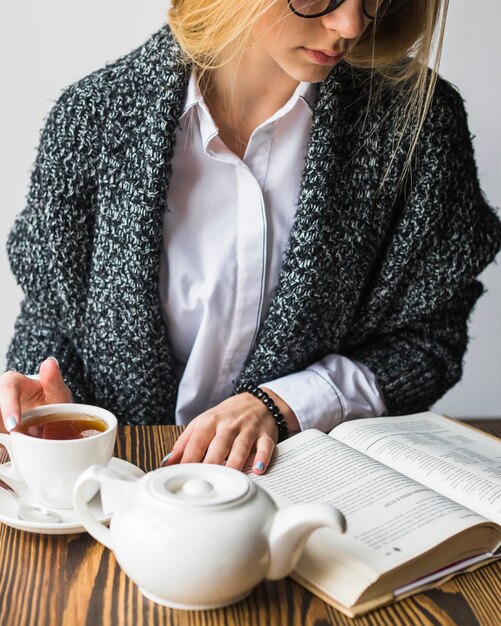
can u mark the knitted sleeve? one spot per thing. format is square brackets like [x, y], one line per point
[427, 286]
[49, 245]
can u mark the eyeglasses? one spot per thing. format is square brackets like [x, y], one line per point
[372, 8]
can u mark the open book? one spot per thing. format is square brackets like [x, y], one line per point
[422, 499]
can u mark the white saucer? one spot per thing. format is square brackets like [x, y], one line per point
[71, 523]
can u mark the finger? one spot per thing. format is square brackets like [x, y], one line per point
[177, 451]
[55, 389]
[165, 460]
[219, 448]
[197, 446]
[239, 454]
[249, 462]
[264, 451]
[10, 400]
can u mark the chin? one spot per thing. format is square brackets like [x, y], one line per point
[314, 74]
[305, 71]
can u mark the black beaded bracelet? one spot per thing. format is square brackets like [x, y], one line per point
[283, 429]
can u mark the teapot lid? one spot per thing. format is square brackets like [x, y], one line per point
[200, 484]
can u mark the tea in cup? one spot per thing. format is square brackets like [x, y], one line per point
[54, 444]
[62, 426]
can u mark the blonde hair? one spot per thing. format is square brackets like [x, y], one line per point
[398, 48]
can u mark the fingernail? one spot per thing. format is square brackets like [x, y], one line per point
[54, 359]
[259, 466]
[166, 458]
[10, 423]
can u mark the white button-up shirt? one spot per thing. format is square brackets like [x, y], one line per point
[225, 231]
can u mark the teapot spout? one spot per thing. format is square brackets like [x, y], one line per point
[290, 530]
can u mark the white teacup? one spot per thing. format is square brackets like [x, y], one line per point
[50, 467]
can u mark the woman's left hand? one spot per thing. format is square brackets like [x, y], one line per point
[231, 433]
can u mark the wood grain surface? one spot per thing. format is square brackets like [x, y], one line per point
[72, 580]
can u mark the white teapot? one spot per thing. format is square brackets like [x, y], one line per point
[198, 536]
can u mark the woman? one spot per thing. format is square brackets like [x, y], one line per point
[310, 215]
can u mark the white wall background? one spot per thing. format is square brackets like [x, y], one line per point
[45, 46]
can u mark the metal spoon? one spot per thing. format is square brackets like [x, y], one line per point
[30, 513]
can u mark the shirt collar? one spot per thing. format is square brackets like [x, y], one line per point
[193, 94]
[304, 91]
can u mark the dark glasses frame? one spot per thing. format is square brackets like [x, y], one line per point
[334, 4]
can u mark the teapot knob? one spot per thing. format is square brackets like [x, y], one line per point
[197, 487]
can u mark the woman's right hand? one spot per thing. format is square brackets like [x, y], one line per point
[19, 393]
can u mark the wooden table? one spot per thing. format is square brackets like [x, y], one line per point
[72, 580]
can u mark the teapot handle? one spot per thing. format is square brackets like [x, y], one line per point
[99, 531]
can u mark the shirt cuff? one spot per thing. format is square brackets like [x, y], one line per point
[316, 402]
[329, 392]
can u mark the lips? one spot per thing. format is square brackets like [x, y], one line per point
[324, 57]
[329, 53]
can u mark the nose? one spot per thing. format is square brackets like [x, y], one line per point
[347, 20]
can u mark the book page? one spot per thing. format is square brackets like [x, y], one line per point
[390, 518]
[446, 456]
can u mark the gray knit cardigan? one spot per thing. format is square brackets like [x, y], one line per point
[380, 272]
